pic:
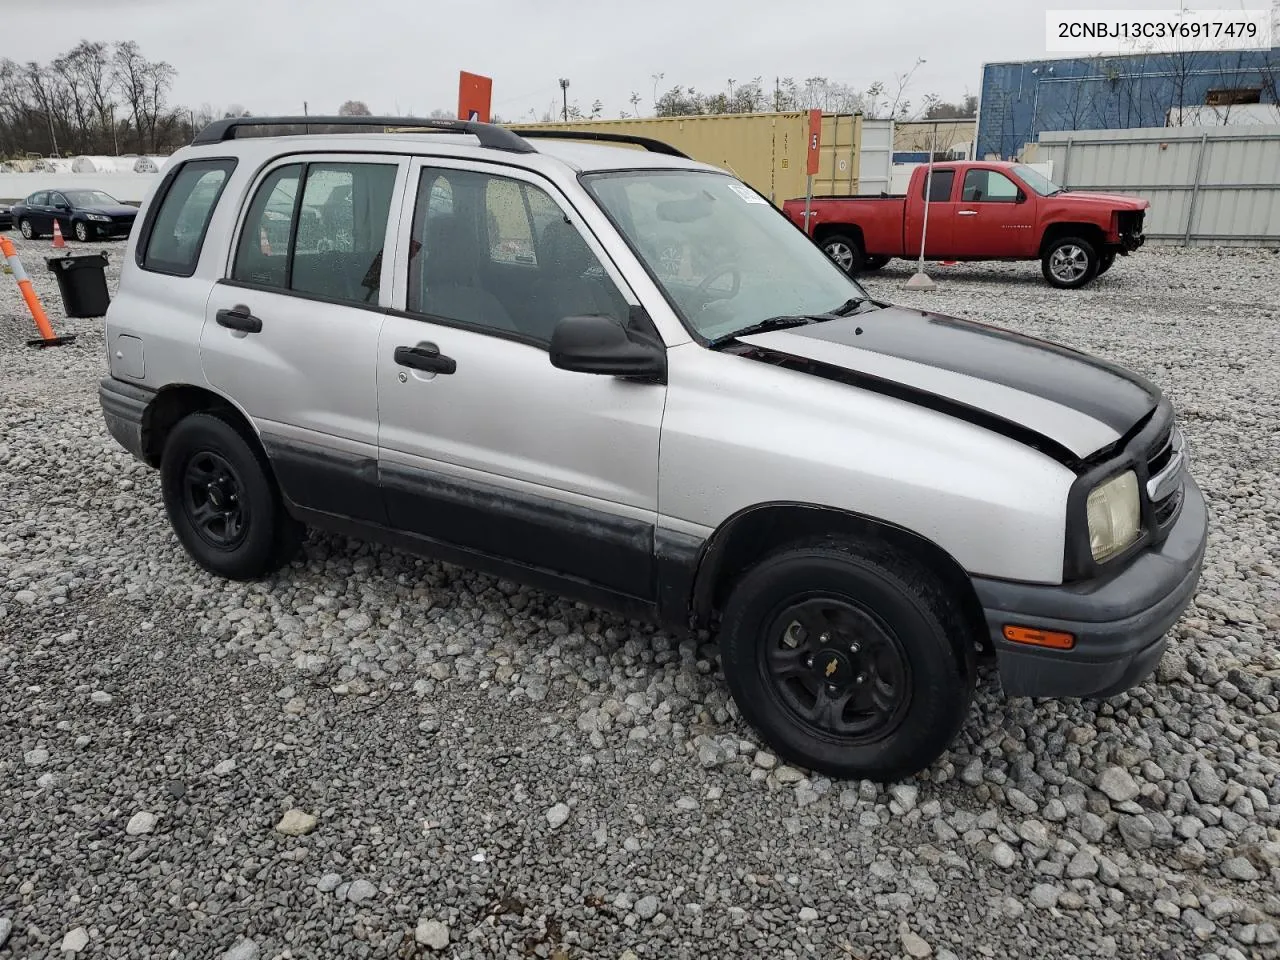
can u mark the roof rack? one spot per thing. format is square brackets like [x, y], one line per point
[653, 146]
[489, 135]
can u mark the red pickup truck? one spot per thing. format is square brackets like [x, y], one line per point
[979, 210]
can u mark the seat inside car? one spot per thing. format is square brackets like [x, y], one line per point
[450, 277]
[564, 288]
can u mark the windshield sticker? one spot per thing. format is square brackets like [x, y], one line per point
[747, 194]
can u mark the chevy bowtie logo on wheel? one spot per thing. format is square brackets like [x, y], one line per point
[832, 667]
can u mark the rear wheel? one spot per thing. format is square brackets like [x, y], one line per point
[845, 252]
[223, 502]
[1069, 262]
[848, 658]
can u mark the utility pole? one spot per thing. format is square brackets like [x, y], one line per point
[304, 109]
[564, 90]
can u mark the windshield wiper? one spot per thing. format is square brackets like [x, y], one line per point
[849, 306]
[764, 326]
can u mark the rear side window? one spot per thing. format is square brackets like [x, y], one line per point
[940, 188]
[325, 239]
[176, 232]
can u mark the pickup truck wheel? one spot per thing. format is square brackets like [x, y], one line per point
[1070, 262]
[845, 252]
[848, 658]
[222, 501]
[1105, 262]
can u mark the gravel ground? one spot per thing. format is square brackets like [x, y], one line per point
[377, 756]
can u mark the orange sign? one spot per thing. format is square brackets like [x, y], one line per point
[815, 139]
[474, 94]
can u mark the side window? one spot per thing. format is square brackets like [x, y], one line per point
[262, 255]
[176, 232]
[502, 256]
[36, 199]
[988, 186]
[335, 230]
[342, 228]
[507, 216]
[57, 200]
[940, 188]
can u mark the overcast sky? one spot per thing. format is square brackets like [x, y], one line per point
[403, 56]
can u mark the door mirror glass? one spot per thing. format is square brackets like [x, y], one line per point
[1021, 197]
[600, 344]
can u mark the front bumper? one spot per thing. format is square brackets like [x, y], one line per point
[123, 406]
[1119, 624]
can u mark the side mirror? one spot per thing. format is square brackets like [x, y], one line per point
[1021, 198]
[596, 344]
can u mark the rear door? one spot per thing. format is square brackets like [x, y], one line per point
[940, 232]
[995, 218]
[38, 212]
[291, 330]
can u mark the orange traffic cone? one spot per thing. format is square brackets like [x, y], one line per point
[58, 242]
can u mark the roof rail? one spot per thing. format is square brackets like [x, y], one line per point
[653, 146]
[489, 135]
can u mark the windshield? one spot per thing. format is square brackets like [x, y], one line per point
[725, 256]
[1037, 181]
[90, 198]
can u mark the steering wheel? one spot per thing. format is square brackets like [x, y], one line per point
[716, 274]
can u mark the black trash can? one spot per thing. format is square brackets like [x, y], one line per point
[82, 281]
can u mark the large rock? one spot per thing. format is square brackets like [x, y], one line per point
[296, 823]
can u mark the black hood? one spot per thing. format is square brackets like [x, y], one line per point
[110, 210]
[1071, 399]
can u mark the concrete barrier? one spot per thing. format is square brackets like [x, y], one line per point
[125, 187]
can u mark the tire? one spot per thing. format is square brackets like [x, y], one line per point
[888, 625]
[28, 229]
[874, 263]
[81, 230]
[1105, 262]
[845, 252]
[1069, 263]
[210, 466]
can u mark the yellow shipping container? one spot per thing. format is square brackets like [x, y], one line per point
[765, 150]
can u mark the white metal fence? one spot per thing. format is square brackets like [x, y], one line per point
[125, 187]
[1207, 186]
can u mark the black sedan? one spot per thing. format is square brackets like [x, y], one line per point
[83, 214]
[6, 217]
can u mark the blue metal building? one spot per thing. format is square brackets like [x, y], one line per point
[1021, 99]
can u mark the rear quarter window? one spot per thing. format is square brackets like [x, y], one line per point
[171, 239]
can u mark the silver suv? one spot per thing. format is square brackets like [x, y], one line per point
[624, 376]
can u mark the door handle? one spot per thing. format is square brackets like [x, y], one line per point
[239, 318]
[425, 356]
[966, 213]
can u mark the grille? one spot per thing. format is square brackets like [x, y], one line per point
[1166, 508]
[1162, 455]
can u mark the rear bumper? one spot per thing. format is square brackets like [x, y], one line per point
[1119, 624]
[123, 407]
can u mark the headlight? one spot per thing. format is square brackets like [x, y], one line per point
[97, 216]
[1115, 515]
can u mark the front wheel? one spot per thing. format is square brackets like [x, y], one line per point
[223, 502]
[27, 229]
[82, 231]
[845, 252]
[874, 263]
[849, 658]
[1069, 263]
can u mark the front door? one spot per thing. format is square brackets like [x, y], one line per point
[994, 217]
[60, 211]
[483, 444]
[291, 333]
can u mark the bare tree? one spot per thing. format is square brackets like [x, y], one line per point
[355, 108]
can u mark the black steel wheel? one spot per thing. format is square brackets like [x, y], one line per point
[836, 667]
[849, 658]
[222, 499]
